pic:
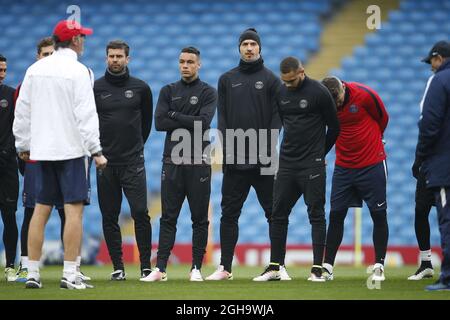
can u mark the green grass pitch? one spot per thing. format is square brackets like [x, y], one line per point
[350, 283]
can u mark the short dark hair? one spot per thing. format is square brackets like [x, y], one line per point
[2, 58]
[61, 44]
[192, 50]
[334, 85]
[45, 42]
[290, 64]
[118, 44]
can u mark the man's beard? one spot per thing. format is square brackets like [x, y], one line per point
[253, 59]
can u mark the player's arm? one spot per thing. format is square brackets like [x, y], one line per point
[146, 112]
[162, 120]
[274, 94]
[329, 113]
[22, 116]
[206, 113]
[430, 124]
[222, 115]
[85, 112]
[221, 105]
[376, 109]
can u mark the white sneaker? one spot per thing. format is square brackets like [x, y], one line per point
[422, 273]
[220, 274]
[155, 275]
[33, 283]
[268, 275]
[74, 283]
[10, 274]
[83, 277]
[378, 272]
[118, 275]
[327, 272]
[316, 274]
[195, 275]
[284, 276]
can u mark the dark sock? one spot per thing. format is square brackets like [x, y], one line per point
[318, 234]
[334, 235]
[278, 235]
[422, 226]
[273, 266]
[380, 234]
[27, 214]
[10, 236]
[426, 264]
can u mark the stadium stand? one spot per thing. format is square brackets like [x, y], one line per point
[389, 61]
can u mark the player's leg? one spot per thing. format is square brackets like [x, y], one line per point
[424, 202]
[62, 216]
[198, 188]
[10, 237]
[72, 179]
[263, 185]
[371, 185]
[110, 200]
[29, 202]
[286, 192]
[343, 196]
[9, 193]
[35, 241]
[47, 190]
[235, 189]
[134, 184]
[172, 197]
[313, 184]
[22, 273]
[442, 196]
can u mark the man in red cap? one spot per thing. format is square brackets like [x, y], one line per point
[56, 124]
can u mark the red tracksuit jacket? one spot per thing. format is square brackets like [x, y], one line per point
[363, 119]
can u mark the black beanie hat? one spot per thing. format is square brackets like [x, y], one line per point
[250, 34]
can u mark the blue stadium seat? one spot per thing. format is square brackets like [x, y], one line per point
[389, 61]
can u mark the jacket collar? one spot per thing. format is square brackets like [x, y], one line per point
[445, 65]
[67, 52]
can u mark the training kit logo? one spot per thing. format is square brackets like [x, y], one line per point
[303, 104]
[259, 85]
[129, 94]
[353, 108]
[193, 100]
[4, 103]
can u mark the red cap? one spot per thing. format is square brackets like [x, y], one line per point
[67, 29]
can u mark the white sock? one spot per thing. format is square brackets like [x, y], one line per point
[24, 262]
[33, 270]
[378, 265]
[78, 263]
[328, 266]
[425, 255]
[70, 269]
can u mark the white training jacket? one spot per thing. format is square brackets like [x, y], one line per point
[55, 116]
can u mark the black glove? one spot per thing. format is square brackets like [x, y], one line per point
[172, 114]
[416, 167]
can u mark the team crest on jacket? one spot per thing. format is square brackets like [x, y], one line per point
[4, 103]
[193, 100]
[303, 104]
[353, 108]
[259, 85]
[129, 94]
